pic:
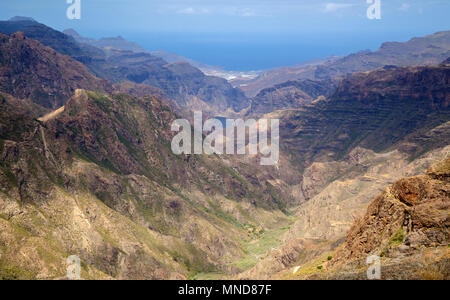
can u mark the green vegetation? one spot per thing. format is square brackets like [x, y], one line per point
[258, 246]
[100, 100]
[208, 276]
[397, 238]
[311, 267]
[15, 273]
[193, 259]
[219, 213]
[12, 179]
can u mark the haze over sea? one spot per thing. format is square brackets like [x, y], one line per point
[249, 52]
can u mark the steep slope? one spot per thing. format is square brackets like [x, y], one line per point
[406, 226]
[29, 70]
[98, 179]
[375, 129]
[428, 50]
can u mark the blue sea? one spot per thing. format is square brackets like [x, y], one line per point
[248, 52]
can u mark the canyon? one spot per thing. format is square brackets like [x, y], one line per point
[87, 169]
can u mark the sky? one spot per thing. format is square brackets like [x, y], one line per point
[244, 34]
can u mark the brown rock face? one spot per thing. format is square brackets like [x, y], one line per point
[398, 84]
[29, 70]
[409, 217]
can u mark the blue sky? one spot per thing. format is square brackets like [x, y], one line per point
[227, 32]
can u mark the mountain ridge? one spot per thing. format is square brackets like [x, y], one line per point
[428, 50]
[212, 93]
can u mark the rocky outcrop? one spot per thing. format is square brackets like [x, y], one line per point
[407, 226]
[411, 214]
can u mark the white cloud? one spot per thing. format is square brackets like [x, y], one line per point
[194, 11]
[334, 7]
[229, 11]
[405, 7]
[247, 12]
[240, 12]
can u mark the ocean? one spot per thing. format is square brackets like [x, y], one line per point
[251, 52]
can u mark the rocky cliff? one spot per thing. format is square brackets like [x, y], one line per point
[407, 226]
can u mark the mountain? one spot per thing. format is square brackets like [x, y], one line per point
[375, 110]
[97, 178]
[123, 44]
[176, 58]
[100, 170]
[428, 50]
[291, 94]
[49, 37]
[32, 71]
[110, 42]
[378, 127]
[188, 86]
[179, 79]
